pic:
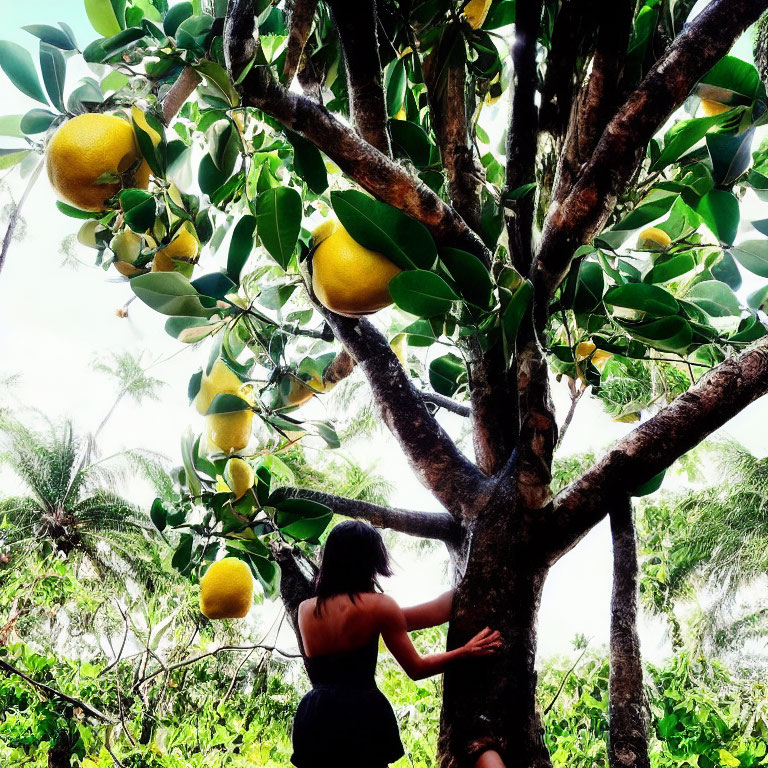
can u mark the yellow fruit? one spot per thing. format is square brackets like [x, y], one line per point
[141, 179]
[599, 357]
[399, 345]
[183, 248]
[84, 149]
[230, 431]
[475, 12]
[226, 590]
[348, 278]
[711, 108]
[653, 239]
[239, 476]
[324, 230]
[221, 380]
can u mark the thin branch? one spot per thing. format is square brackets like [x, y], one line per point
[576, 394]
[575, 664]
[53, 693]
[427, 525]
[122, 644]
[387, 180]
[446, 403]
[653, 446]
[179, 92]
[16, 215]
[622, 145]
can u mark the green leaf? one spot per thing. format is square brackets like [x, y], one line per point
[176, 14]
[445, 374]
[302, 519]
[642, 297]
[10, 125]
[682, 136]
[102, 16]
[308, 163]
[650, 486]
[735, 75]
[169, 293]
[52, 36]
[85, 95]
[421, 293]
[396, 85]
[726, 270]
[225, 403]
[380, 227]
[730, 155]
[663, 272]
[101, 50]
[189, 330]
[193, 32]
[278, 222]
[215, 284]
[183, 553]
[54, 69]
[514, 307]
[752, 255]
[589, 287]
[715, 298]
[240, 246]
[653, 206]
[470, 275]
[217, 76]
[37, 120]
[673, 333]
[17, 63]
[158, 515]
[410, 140]
[720, 211]
[9, 158]
[139, 208]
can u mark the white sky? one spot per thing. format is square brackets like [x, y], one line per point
[54, 321]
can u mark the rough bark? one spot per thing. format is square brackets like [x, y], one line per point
[717, 397]
[522, 136]
[620, 148]
[427, 525]
[356, 23]
[296, 584]
[627, 713]
[179, 92]
[301, 14]
[374, 171]
[490, 703]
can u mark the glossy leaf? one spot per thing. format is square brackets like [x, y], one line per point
[176, 14]
[715, 298]
[380, 227]
[139, 208]
[653, 206]
[752, 255]
[410, 140]
[730, 155]
[642, 297]
[674, 267]
[673, 334]
[240, 246]
[720, 211]
[278, 222]
[445, 374]
[102, 16]
[396, 85]
[470, 275]
[37, 121]
[513, 312]
[10, 125]
[422, 293]
[226, 403]
[735, 75]
[682, 136]
[60, 38]
[169, 293]
[54, 68]
[308, 163]
[17, 63]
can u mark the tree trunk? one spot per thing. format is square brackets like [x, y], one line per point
[628, 723]
[490, 703]
[60, 756]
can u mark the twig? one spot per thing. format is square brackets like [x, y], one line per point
[122, 645]
[16, 215]
[180, 91]
[53, 693]
[565, 677]
[441, 401]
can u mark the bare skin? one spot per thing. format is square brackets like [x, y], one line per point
[345, 625]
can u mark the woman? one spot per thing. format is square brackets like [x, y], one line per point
[345, 721]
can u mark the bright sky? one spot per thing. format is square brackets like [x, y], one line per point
[56, 320]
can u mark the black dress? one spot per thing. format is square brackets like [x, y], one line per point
[345, 721]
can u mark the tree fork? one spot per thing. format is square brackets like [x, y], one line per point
[628, 721]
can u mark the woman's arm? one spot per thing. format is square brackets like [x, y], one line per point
[430, 614]
[394, 630]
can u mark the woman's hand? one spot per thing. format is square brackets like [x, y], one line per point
[484, 643]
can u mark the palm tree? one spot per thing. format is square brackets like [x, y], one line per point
[712, 542]
[70, 506]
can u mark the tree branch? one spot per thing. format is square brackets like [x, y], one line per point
[441, 467]
[446, 403]
[719, 395]
[54, 694]
[179, 92]
[357, 24]
[621, 147]
[628, 722]
[384, 179]
[15, 217]
[522, 135]
[427, 525]
[301, 14]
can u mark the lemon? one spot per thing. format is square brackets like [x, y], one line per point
[711, 108]
[239, 477]
[302, 392]
[348, 278]
[226, 590]
[653, 239]
[179, 255]
[599, 357]
[86, 157]
[475, 12]
[221, 380]
[230, 431]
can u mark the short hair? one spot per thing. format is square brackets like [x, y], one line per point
[354, 557]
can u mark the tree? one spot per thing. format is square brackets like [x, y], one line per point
[518, 262]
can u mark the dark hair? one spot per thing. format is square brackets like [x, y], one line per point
[354, 556]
